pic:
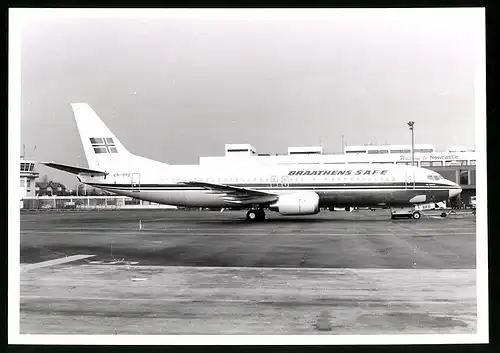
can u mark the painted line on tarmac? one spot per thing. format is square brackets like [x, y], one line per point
[145, 229]
[338, 270]
[257, 230]
[139, 299]
[62, 260]
[313, 301]
[253, 228]
[270, 232]
[431, 229]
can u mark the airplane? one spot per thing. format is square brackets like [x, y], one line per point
[285, 189]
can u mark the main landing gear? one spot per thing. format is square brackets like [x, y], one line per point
[256, 215]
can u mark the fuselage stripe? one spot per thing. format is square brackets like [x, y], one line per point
[267, 186]
[281, 188]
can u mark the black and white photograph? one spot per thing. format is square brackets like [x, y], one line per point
[255, 176]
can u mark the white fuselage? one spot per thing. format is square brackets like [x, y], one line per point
[336, 185]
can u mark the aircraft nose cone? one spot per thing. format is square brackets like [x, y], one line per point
[454, 192]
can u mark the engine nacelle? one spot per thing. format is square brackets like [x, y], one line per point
[299, 203]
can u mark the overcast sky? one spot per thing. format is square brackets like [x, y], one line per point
[177, 89]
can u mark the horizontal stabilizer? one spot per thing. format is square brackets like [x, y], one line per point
[72, 169]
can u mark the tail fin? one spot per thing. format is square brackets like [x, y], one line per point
[102, 149]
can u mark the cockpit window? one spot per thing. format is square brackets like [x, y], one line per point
[434, 177]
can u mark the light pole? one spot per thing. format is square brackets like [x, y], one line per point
[410, 124]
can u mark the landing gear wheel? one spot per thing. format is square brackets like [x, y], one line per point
[416, 215]
[252, 215]
[256, 215]
[443, 214]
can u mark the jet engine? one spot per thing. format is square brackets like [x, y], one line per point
[299, 203]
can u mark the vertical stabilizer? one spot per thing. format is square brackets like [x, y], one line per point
[102, 149]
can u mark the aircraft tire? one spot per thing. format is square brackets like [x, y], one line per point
[261, 215]
[416, 215]
[443, 214]
[252, 215]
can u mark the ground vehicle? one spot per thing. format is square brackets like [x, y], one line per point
[416, 211]
[405, 212]
[472, 202]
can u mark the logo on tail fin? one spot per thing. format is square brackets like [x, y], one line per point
[103, 145]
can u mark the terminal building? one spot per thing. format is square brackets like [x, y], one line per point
[457, 164]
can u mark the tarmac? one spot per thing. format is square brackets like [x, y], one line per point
[206, 272]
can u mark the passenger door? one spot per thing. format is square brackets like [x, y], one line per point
[410, 179]
[136, 182]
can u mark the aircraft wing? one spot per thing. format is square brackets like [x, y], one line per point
[73, 169]
[235, 194]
